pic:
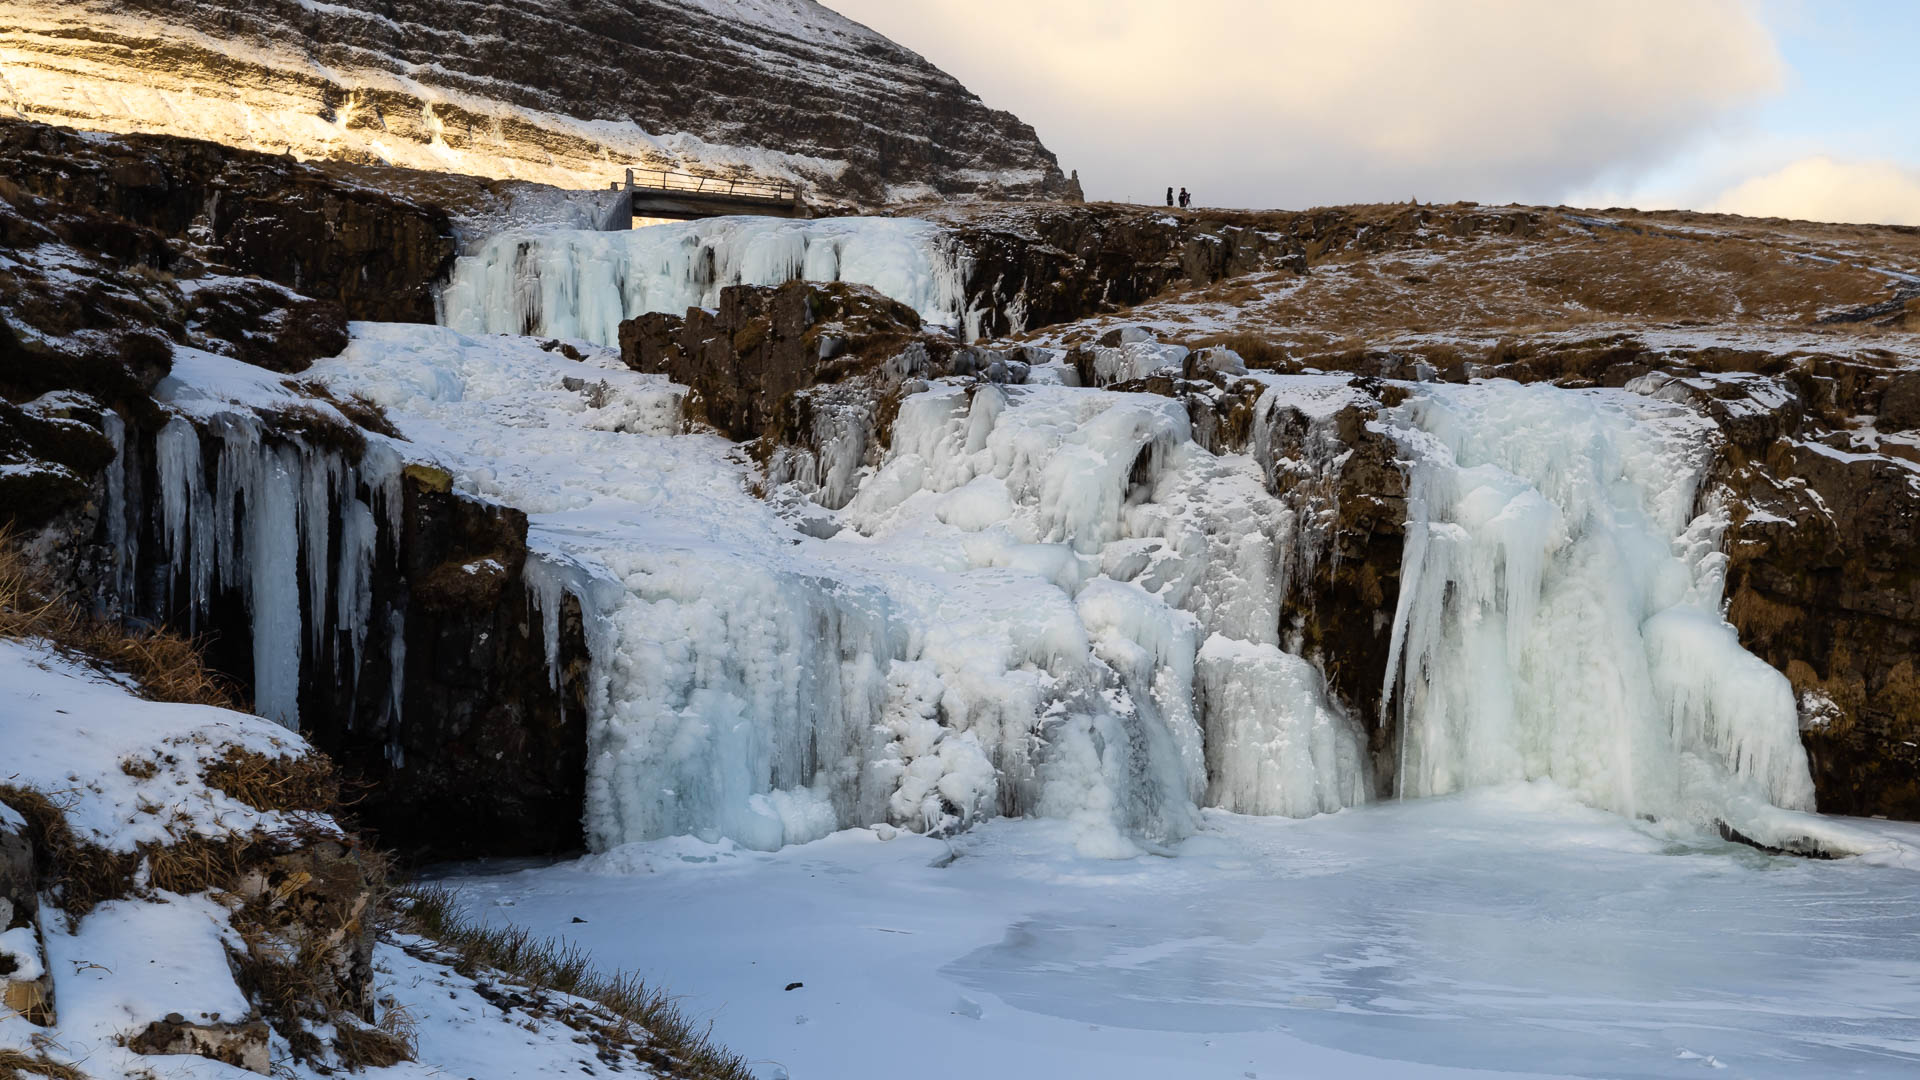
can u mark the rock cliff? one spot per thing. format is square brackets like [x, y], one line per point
[775, 89]
[124, 254]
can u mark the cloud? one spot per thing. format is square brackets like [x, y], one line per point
[1264, 103]
[1822, 189]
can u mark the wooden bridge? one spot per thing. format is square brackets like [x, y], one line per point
[686, 196]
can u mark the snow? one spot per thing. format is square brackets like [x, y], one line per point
[802, 19]
[67, 730]
[582, 284]
[132, 962]
[20, 947]
[1511, 931]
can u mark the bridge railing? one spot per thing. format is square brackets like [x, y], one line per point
[661, 180]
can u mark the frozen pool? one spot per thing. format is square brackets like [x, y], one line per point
[1509, 930]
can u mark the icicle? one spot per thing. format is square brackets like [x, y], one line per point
[319, 476]
[397, 685]
[273, 568]
[125, 555]
[353, 583]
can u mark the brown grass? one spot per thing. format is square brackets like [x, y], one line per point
[1678, 270]
[683, 1049]
[358, 408]
[14, 1065]
[83, 875]
[166, 666]
[309, 783]
[1258, 351]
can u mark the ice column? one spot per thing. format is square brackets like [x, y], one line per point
[1560, 611]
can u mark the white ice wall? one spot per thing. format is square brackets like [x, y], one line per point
[1560, 611]
[1007, 617]
[582, 285]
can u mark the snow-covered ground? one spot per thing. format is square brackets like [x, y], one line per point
[128, 772]
[1510, 930]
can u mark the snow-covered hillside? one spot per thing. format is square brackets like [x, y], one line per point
[154, 982]
[778, 89]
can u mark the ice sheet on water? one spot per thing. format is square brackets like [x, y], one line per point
[1506, 932]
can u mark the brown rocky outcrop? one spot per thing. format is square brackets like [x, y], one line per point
[1349, 493]
[811, 374]
[177, 206]
[745, 359]
[244, 1045]
[121, 250]
[1042, 265]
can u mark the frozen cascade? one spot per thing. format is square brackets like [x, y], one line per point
[1006, 618]
[1560, 613]
[581, 285]
[260, 522]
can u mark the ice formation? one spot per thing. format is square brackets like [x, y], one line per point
[582, 285]
[1560, 612]
[1006, 618]
[1040, 599]
[259, 518]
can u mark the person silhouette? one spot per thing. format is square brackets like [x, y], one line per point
[1169, 196]
[1186, 200]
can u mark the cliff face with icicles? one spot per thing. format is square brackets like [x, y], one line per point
[768, 88]
[1112, 571]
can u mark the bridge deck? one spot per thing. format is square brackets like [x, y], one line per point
[660, 194]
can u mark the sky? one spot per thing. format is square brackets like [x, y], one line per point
[1793, 108]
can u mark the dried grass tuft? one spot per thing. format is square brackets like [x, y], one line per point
[15, 1064]
[682, 1048]
[166, 666]
[306, 784]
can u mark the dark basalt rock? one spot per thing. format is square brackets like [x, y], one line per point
[747, 358]
[125, 248]
[175, 206]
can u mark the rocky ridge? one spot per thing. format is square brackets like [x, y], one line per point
[783, 90]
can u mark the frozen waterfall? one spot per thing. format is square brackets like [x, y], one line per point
[1028, 608]
[1560, 612]
[581, 285]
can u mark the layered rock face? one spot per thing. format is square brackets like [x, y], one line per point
[426, 672]
[768, 88]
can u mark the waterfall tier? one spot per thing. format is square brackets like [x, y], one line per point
[582, 285]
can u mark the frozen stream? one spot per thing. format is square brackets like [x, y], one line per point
[1509, 930]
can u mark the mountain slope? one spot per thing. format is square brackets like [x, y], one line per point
[567, 92]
